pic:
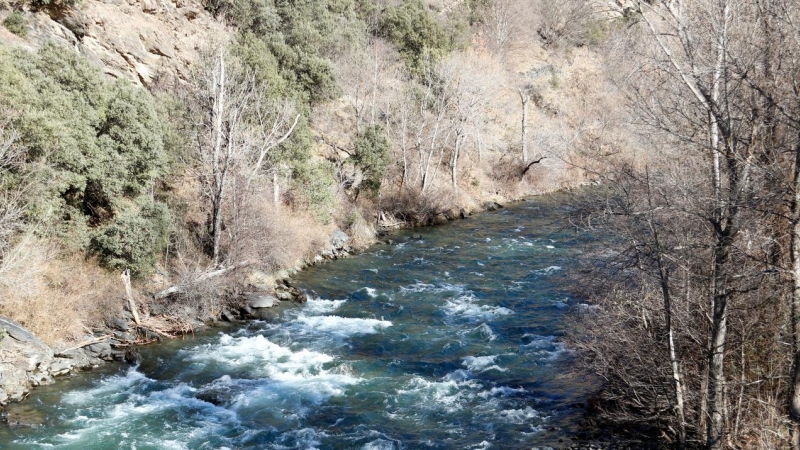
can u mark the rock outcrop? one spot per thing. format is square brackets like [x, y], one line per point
[144, 41]
[26, 361]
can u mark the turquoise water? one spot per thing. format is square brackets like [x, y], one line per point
[450, 341]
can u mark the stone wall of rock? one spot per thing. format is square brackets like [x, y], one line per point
[140, 40]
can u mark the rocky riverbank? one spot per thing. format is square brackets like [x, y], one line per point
[26, 362]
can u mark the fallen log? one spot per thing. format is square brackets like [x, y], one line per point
[83, 344]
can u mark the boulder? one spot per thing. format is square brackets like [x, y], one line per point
[339, 239]
[100, 350]
[60, 367]
[440, 219]
[258, 301]
[264, 314]
[227, 316]
[119, 324]
[284, 296]
[19, 333]
[492, 206]
[123, 336]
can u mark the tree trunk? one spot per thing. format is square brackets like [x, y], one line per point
[716, 358]
[794, 403]
[666, 294]
[219, 177]
[454, 173]
[524, 98]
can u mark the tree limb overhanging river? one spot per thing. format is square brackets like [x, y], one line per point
[448, 341]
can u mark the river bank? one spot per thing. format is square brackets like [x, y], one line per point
[26, 362]
[456, 326]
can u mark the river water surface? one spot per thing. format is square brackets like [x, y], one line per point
[450, 341]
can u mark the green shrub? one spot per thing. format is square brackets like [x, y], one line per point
[418, 36]
[297, 41]
[315, 182]
[371, 150]
[134, 239]
[96, 141]
[16, 23]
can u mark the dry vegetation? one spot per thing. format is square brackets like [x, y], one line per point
[311, 118]
[59, 299]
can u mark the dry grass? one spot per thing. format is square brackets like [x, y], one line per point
[59, 298]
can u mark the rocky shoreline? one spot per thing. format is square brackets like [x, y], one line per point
[26, 362]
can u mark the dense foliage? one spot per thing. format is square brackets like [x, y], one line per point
[371, 151]
[93, 144]
[418, 36]
[16, 23]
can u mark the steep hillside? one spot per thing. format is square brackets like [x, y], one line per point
[139, 41]
[207, 148]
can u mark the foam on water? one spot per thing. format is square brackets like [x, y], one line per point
[543, 346]
[466, 306]
[449, 394]
[275, 374]
[342, 326]
[519, 416]
[549, 270]
[380, 444]
[320, 306]
[482, 363]
[115, 385]
[259, 354]
[483, 332]
[100, 418]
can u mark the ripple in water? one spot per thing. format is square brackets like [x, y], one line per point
[402, 347]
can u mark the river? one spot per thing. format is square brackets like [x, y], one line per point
[450, 340]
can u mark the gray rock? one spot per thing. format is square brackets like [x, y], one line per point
[100, 350]
[258, 301]
[122, 336]
[19, 333]
[339, 239]
[284, 296]
[40, 378]
[119, 324]
[227, 316]
[440, 219]
[61, 367]
[492, 206]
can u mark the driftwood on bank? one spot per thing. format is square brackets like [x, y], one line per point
[181, 288]
[84, 344]
[126, 280]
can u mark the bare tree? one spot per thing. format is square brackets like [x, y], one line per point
[238, 126]
[562, 21]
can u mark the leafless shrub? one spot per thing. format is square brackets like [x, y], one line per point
[563, 21]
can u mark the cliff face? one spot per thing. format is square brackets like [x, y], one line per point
[140, 40]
